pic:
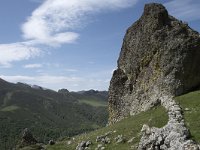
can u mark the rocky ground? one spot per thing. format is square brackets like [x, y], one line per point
[160, 54]
[159, 60]
[174, 135]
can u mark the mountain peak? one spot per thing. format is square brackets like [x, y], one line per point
[155, 16]
[63, 91]
[160, 54]
[154, 9]
[1, 80]
[159, 60]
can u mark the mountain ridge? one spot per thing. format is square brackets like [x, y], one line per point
[47, 113]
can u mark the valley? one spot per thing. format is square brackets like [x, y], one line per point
[48, 114]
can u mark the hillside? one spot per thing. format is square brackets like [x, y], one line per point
[153, 97]
[92, 97]
[159, 61]
[130, 128]
[48, 114]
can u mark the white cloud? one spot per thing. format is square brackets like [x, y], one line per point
[52, 21]
[50, 24]
[42, 80]
[58, 82]
[16, 52]
[98, 80]
[187, 10]
[30, 66]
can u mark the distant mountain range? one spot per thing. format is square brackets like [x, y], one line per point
[47, 113]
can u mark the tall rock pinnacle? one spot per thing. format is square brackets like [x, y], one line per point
[160, 59]
[160, 56]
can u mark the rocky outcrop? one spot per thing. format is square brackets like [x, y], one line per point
[63, 91]
[84, 145]
[27, 138]
[172, 136]
[159, 57]
[52, 142]
[158, 61]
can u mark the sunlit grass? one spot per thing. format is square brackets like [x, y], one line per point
[129, 128]
[10, 108]
[190, 104]
[94, 102]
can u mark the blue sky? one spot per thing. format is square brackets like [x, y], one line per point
[71, 44]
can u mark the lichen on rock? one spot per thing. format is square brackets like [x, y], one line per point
[159, 60]
[160, 56]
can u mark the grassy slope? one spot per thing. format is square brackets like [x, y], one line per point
[92, 98]
[129, 128]
[93, 102]
[190, 104]
[11, 108]
[46, 113]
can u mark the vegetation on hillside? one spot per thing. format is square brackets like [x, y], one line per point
[190, 104]
[128, 128]
[48, 114]
[131, 127]
[57, 115]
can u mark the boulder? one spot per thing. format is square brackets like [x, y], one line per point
[52, 142]
[83, 145]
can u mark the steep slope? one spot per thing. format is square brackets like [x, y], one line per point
[158, 61]
[48, 114]
[160, 56]
[92, 97]
[130, 128]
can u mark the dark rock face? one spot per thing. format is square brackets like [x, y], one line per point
[63, 91]
[27, 138]
[52, 142]
[160, 55]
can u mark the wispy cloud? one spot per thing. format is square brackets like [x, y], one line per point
[16, 52]
[58, 82]
[53, 24]
[98, 80]
[30, 66]
[187, 10]
[42, 80]
[52, 21]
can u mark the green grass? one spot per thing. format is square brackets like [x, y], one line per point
[48, 114]
[32, 147]
[94, 102]
[191, 101]
[10, 108]
[129, 127]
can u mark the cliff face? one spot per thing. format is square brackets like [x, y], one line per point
[160, 56]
